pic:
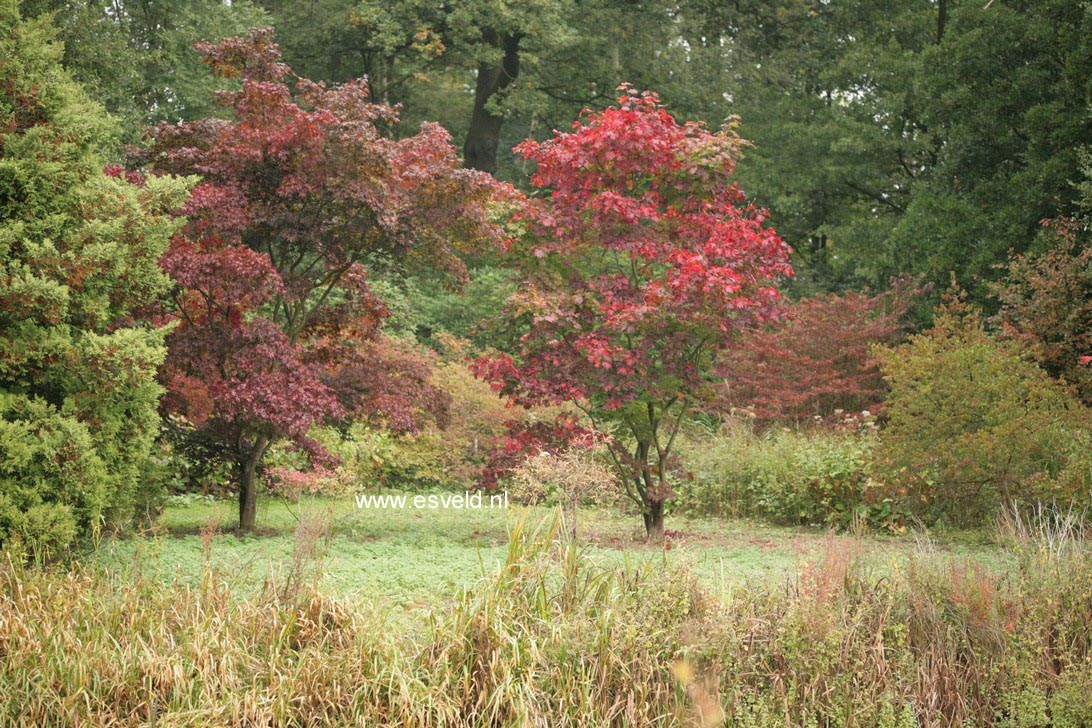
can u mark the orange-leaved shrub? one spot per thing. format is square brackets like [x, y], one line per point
[1046, 299]
[454, 454]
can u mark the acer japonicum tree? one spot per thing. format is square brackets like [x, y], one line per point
[639, 262]
[300, 188]
[817, 362]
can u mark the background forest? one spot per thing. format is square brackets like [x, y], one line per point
[888, 138]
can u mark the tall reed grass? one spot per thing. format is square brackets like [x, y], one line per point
[552, 638]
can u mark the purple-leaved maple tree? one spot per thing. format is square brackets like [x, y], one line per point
[301, 185]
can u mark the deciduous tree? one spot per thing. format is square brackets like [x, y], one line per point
[137, 57]
[300, 188]
[909, 138]
[639, 262]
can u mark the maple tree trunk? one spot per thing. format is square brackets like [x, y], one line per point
[483, 136]
[248, 496]
[651, 491]
[248, 486]
[654, 520]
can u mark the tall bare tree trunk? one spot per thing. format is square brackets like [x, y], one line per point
[483, 136]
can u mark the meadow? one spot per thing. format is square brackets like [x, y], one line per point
[331, 615]
[409, 557]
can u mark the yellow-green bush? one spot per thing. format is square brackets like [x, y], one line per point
[974, 423]
[570, 478]
[793, 476]
[53, 485]
[78, 260]
[452, 456]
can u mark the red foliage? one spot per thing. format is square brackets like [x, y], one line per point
[131, 176]
[277, 327]
[815, 363]
[640, 263]
[528, 439]
[386, 381]
[1046, 300]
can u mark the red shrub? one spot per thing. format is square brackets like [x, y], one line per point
[815, 363]
[1046, 300]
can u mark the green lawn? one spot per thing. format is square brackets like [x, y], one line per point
[416, 558]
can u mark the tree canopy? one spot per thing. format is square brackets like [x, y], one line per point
[638, 264]
[276, 326]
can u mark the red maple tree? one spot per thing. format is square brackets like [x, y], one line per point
[300, 188]
[638, 264]
[817, 361]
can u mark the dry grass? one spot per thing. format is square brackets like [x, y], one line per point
[531, 647]
[554, 639]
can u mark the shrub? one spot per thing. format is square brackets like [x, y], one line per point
[78, 251]
[363, 452]
[456, 455]
[821, 477]
[1046, 299]
[449, 456]
[53, 484]
[817, 361]
[974, 423]
[571, 477]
